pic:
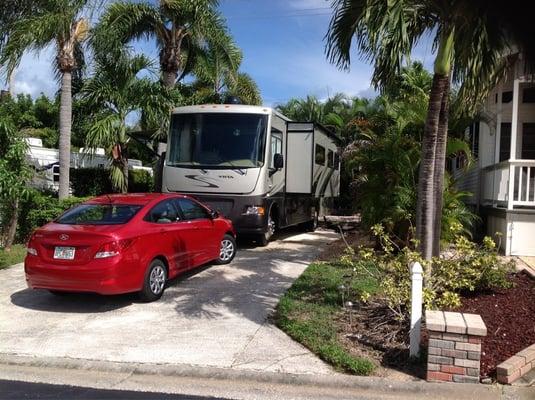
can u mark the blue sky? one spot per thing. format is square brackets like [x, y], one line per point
[283, 47]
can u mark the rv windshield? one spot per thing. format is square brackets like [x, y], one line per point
[217, 140]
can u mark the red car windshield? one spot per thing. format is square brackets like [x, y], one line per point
[99, 214]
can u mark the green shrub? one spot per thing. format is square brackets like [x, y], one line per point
[39, 209]
[140, 181]
[96, 181]
[90, 181]
[466, 266]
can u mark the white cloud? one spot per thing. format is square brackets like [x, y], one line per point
[308, 4]
[35, 74]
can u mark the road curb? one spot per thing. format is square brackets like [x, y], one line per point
[365, 384]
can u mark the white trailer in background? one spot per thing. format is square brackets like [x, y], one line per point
[46, 162]
[253, 165]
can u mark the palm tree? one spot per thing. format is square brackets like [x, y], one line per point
[469, 51]
[180, 27]
[114, 93]
[217, 71]
[59, 22]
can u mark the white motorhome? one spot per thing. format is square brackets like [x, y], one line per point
[253, 165]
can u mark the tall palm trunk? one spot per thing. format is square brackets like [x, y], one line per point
[124, 161]
[440, 164]
[65, 122]
[425, 210]
[169, 78]
[431, 171]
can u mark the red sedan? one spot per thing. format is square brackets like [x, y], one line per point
[127, 243]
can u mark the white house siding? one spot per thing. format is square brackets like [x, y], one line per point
[468, 181]
[487, 142]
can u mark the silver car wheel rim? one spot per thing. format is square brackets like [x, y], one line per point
[227, 250]
[157, 279]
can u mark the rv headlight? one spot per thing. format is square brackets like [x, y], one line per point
[254, 210]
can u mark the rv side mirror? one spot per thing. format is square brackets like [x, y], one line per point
[278, 161]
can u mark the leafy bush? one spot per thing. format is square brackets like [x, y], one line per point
[90, 181]
[96, 181]
[465, 267]
[39, 209]
[140, 181]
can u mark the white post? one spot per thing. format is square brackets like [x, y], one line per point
[512, 153]
[416, 308]
[497, 145]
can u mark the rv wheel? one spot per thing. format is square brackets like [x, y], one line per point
[263, 239]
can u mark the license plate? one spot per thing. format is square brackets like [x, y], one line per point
[64, 253]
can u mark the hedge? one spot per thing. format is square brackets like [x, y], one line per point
[96, 181]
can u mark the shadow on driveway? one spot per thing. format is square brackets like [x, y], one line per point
[42, 300]
[249, 287]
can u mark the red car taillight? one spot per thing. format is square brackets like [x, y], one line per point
[113, 249]
[30, 247]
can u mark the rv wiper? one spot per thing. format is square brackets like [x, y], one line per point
[236, 168]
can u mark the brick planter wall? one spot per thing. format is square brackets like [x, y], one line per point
[518, 365]
[454, 350]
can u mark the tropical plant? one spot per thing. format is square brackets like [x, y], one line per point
[14, 176]
[469, 48]
[58, 22]
[180, 28]
[111, 95]
[217, 71]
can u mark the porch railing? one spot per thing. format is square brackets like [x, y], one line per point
[509, 184]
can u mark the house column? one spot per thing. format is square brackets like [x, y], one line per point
[497, 139]
[514, 134]
[498, 126]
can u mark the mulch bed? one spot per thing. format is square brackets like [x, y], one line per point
[510, 318]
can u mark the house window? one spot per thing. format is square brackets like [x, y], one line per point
[474, 132]
[507, 97]
[528, 141]
[336, 161]
[330, 159]
[528, 95]
[320, 155]
[505, 141]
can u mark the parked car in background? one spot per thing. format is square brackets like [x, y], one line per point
[127, 243]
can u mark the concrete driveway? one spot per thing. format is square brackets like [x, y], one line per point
[217, 316]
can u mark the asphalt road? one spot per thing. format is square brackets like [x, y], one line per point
[17, 390]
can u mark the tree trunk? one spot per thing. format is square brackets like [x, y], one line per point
[425, 210]
[169, 78]
[12, 225]
[440, 164]
[124, 162]
[65, 121]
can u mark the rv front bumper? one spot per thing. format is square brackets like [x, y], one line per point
[236, 209]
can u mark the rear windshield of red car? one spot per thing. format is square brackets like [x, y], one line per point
[99, 214]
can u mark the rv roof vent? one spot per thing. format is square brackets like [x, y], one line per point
[233, 100]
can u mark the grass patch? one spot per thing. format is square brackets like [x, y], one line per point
[14, 256]
[307, 312]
